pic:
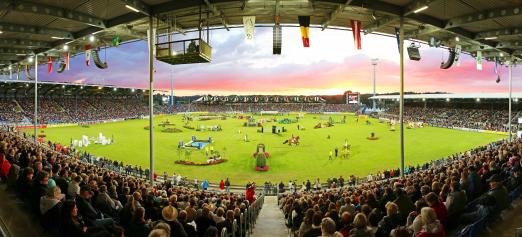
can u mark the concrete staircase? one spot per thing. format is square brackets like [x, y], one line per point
[270, 222]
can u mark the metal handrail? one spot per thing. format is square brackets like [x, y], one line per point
[224, 232]
[234, 228]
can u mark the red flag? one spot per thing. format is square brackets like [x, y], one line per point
[49, 64]
[66, 56]
[304, 24]
[356, 31]
[88, 54]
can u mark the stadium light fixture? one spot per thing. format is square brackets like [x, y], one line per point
[91, 38]
[423, 99]
[491, 38]
[26, 85]
[1, 32]
[501, 54]
[132, 89]
[457, 38]
[58, 38]
[65, 47]
[132, 8]
[81, 87]
[115, 89]
[478, 99]
[63, 86]
[10, 67]
[99, 87]
[421, 9]
[447, 99]
[516, 99]
[30, 59]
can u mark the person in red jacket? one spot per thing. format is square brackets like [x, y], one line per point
[222, 185]
[438, 207]
[5, 166]
[250, 192]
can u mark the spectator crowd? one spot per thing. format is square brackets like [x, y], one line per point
[432, 200]
[485, 119]
[76, 198]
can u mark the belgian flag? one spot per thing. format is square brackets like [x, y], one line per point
[304, 23]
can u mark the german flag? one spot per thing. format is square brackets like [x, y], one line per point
[304, 23]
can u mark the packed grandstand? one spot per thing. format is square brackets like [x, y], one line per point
[450, 195]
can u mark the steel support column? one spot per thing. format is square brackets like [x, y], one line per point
[401, 108]
[35, 118]
[510, 99]
[151, 102]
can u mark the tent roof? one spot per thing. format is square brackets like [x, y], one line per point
[44, 26]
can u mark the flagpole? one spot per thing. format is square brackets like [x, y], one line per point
[35, 119]
[151, 102]
[510, 98]
[401, 106]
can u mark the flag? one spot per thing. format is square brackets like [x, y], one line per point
[356, 31]
[49, 64]
[66, 56]
[116, 41]
[398, 36]
[277, 40]
[18, 72]
[304, 23]
[88, 54]
[249, 22]
[479, 60]
[495, 68]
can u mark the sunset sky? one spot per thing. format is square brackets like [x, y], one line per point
[330, 66]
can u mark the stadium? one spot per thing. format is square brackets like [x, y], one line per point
[192, 118]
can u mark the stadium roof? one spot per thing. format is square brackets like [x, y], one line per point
[44, 26]
[449, 96]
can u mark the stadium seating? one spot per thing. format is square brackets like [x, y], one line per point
[116, 196]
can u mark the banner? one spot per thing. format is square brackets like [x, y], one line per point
[249, 22]
[479, 60]
[88, 54]
[304, 23]
[398, 36]
[66, 56]
[356, 32]
[49, 64]
[277, 40]
[116, 41]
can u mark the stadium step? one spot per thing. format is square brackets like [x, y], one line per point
[15, 219]
[270, 222]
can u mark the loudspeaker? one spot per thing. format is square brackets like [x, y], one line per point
[449, 62]
[413, 52]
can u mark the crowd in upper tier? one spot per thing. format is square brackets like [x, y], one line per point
[75, 198]
[431, 202]
[75, 110]
[449, 117]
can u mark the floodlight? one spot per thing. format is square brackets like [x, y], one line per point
[91, 38]
[421, 9]
[65, 47]
[132, 8]
[491, 38]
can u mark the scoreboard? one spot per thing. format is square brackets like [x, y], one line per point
[352, 97]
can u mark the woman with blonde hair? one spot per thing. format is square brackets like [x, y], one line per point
[360, 225]
[431, 225]
[390, 221]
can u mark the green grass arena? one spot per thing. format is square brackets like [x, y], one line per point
[309, 160]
